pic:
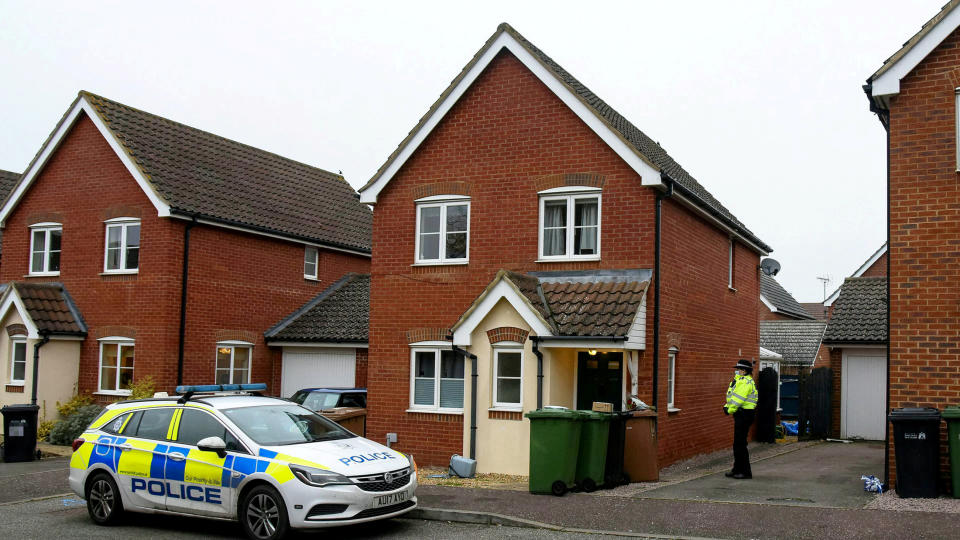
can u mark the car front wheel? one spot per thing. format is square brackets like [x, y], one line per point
[263, 514]
[103, 500]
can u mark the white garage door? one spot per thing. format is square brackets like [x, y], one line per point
[309, 368]
[864, 398]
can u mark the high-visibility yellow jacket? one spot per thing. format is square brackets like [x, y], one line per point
[742, 393]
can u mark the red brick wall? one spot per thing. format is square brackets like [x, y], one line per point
[711, 326]
[924, 220]
[505, 134]
[878, 268]
[836, 366]
[229, 296]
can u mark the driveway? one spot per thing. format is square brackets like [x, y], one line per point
[822, 475]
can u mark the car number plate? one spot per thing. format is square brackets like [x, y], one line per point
[387, 500]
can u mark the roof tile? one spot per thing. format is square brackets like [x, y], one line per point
[860, 312]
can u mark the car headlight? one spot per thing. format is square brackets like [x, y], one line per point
[318, 477]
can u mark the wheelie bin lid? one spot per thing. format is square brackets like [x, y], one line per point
[914, 413]
[951, 413]
[596, 416]
[20, 408]
[555, 413]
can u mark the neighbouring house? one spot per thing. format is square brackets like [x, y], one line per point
[875, 265]
[857, 338]
[174, 250]
[915, 97]
[324, 343]
[816, 310]
[8, 180]
[798, 342]
[776, 304]
[914, 94]
[527, 233]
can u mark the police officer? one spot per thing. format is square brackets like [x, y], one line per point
[741, 403]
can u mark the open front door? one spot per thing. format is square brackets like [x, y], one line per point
[599, 378]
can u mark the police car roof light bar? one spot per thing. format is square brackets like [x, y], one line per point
[189, 390]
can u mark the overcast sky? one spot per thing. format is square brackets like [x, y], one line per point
[760, 101]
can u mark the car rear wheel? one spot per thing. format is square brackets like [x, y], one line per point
[103, 500]
[263, 514]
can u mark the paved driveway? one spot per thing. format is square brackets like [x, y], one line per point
[822, 475]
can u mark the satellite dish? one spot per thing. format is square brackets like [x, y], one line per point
[770, 266]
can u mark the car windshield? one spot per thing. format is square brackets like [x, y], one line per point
[318, 401]
[275, 425]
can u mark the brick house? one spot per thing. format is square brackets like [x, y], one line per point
[175, 248]
[527, 232]
[915, 95]
[776, 304]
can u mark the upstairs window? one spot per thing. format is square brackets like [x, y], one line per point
[45, 249]
[570, 226]
[122, 254]
[443, 231]
[311, 256]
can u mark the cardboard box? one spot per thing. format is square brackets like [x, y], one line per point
[599, 406]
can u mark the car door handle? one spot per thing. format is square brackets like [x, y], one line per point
[177, 457]
[125, 446]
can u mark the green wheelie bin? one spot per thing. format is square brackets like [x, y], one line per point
[952, 416]
[554, 442]
[592, 458]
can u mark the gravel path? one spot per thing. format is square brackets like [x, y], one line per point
[891, 501]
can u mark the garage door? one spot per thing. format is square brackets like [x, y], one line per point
[308, 368]
[864, 403]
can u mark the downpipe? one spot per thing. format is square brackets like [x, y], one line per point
[44, 339]
[473, 398]
[536, 351]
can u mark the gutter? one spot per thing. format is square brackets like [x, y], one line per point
[183, 297]
[656, 285]
[883, 114]
[44, 338]
[473, 397]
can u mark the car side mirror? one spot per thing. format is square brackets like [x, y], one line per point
[213, 444]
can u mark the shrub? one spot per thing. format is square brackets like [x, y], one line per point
[70, 407]
[142, 388]
[70, 427]
[43, 430]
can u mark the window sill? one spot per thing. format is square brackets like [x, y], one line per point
[673, 409]
[505, 409]
[120, 273]
[16, 383]
[436, 411]
[569, 259]
[448, 263]
[311, 278]
[43, 274]
[121, 393]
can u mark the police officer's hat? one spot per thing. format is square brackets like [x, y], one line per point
[744, 364]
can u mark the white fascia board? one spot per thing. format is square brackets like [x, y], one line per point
[767, 354]
[721, 225]
[889, 82]
[771, 307]
[270, 235]
[585, 343]
[11, 298]
[461, 336]
[82, 105]
[648, 174]
[316, 345]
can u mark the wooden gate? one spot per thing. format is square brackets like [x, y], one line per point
[814, 413]
[767, 383]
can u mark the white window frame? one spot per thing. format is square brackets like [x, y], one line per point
[47, 228]
[124, 224]
[14, 341]
[435, 407]
[233, 346]
[497, 351]
[442, 202]
[316, 262]
[571, 198]
[118, 342]
[672, 379]
[730, 259]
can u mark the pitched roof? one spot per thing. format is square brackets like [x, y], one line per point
[915, 39]
[51, 308]
[867, 264]
[815, 309]
[649, 150]
[797, 341]
[340, 314]
[860, 313]
[196, 173]
[781, 300]
[8, 180]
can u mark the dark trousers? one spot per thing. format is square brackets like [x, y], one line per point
[742, 420]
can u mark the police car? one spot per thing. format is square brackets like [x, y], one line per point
[222, 451]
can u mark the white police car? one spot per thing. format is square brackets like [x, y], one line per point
[266, 462]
